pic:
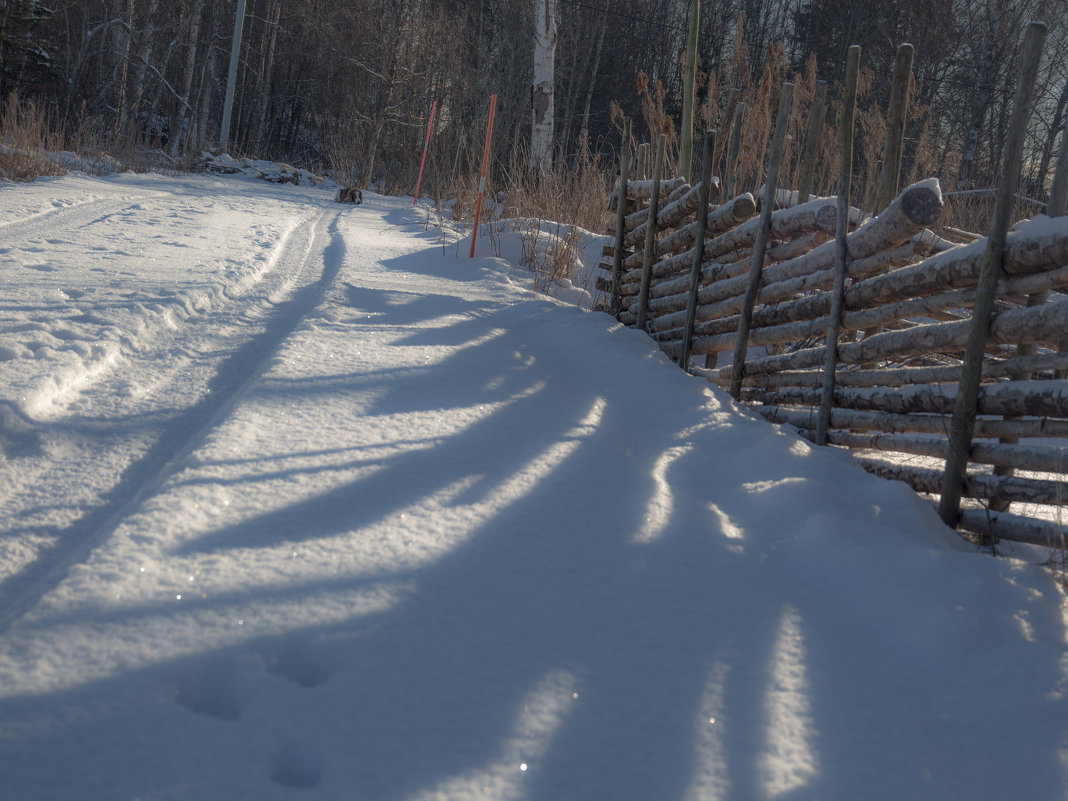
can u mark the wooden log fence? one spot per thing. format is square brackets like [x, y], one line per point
[889, 387]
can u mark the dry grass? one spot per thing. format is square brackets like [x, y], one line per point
[553, 210]
[28, 148]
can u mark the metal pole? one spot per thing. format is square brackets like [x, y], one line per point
[426, 144]
[482, 179]
[231, 79]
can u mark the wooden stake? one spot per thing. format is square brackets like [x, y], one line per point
[845, 182]
[621, 216]
[770, 185]
[732, 151]
[699, 248]
[688, 92]
[812, 142]
[895, 128]
[1058, 196]
[721, 141]
[650, 233]
[964, 410]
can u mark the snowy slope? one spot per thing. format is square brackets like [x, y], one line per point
[299, 502]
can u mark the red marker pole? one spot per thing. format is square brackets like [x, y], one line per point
[426, 144]
[482, 180]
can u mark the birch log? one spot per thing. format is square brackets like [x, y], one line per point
[1032, 324]
[724, 217]
[976, 485]
[717, 335]
[1020, 398]
[1026, 457]
[919, 423]
[678, 206]
[999, 525]
[639, 217]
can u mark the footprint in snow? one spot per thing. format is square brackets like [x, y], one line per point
[211, 689]
[296, 768]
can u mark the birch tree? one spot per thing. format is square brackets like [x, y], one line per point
[541, 91]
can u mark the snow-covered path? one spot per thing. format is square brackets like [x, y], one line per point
[302, 503]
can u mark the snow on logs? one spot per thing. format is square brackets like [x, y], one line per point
[724, 287]
[909, 293]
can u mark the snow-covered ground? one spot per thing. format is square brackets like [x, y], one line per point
[300, 502]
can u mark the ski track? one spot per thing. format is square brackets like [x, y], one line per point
[166, 340]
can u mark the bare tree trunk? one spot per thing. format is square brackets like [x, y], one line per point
[178, 121]
[541, 90]
[123, 35]
[1051, 140]
[585, 132]
[983, 96]
[263, 90]
[144, 55]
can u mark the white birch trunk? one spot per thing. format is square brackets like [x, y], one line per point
[541, 91]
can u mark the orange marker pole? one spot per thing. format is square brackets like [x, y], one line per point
[426, 144]
[482, 179]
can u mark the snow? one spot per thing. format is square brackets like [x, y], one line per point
[301, 502]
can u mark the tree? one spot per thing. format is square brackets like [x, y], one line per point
[541, 91]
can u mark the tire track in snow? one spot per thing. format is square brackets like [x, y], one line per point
[77, 215]
[320, 253]
[150, 320]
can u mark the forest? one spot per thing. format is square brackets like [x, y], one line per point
[348, 86]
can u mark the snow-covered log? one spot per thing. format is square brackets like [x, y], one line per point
[722, 337]
[1018, 367]
[906, 217]
[1005, 526]
[725, 217]
[638, 218]
[1039, 245]
[977, 485]
[1026, 457]
[1016, 398]
[643, 190]
[1036, 324]
[919, 423]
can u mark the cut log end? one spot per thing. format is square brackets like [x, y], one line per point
[922, 205]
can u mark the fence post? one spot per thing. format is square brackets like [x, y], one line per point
[621, 214]
[689, 84]
[845, 181]
[732, 152]
[641, 167]
[745, 319]
[896, 116]
[698, 247]
[1054, 208]
[964, 407]
[812, 142]
[1058, 195]
[721, 141]
[650, 233]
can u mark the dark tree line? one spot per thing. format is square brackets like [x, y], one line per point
[350, 84]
